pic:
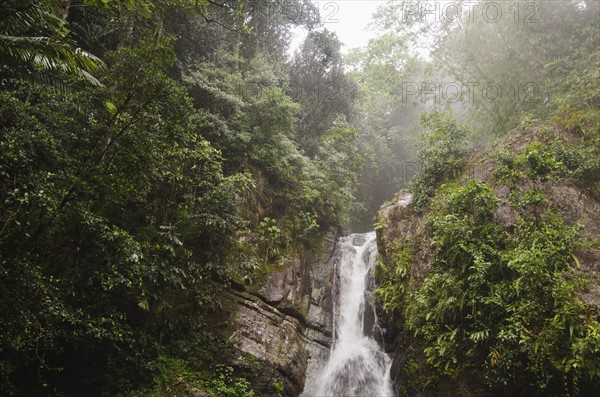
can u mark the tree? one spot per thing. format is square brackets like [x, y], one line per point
[113, 208]
[533, 46]
[318, 83]
[440, 155]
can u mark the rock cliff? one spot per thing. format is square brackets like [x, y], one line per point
[277, 326]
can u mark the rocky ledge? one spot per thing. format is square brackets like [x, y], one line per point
[284, 322]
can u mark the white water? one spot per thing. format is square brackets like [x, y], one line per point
[357, 365]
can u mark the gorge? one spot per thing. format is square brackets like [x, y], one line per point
[313, 325]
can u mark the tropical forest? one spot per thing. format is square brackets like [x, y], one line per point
[285, 198]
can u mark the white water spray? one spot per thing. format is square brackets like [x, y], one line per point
[357, 365]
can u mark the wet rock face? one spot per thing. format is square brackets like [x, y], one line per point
[371, 325]
[358, 239]
[284, 322]
[320, 317]
[271, 336]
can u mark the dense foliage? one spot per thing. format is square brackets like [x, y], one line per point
[502, 299]
[498, 301]
[501, 302]
[128, 177]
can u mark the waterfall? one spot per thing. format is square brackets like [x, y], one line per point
[357, 366]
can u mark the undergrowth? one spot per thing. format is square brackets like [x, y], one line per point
[500, 300]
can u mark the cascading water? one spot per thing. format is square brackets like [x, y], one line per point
[357, 366]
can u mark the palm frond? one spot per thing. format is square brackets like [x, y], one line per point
[34, 41]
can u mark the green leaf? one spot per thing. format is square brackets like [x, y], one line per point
[576, 260]
[111, 107]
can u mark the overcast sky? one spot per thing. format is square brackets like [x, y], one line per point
[348, 18]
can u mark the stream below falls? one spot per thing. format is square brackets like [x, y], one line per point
[356, 365]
